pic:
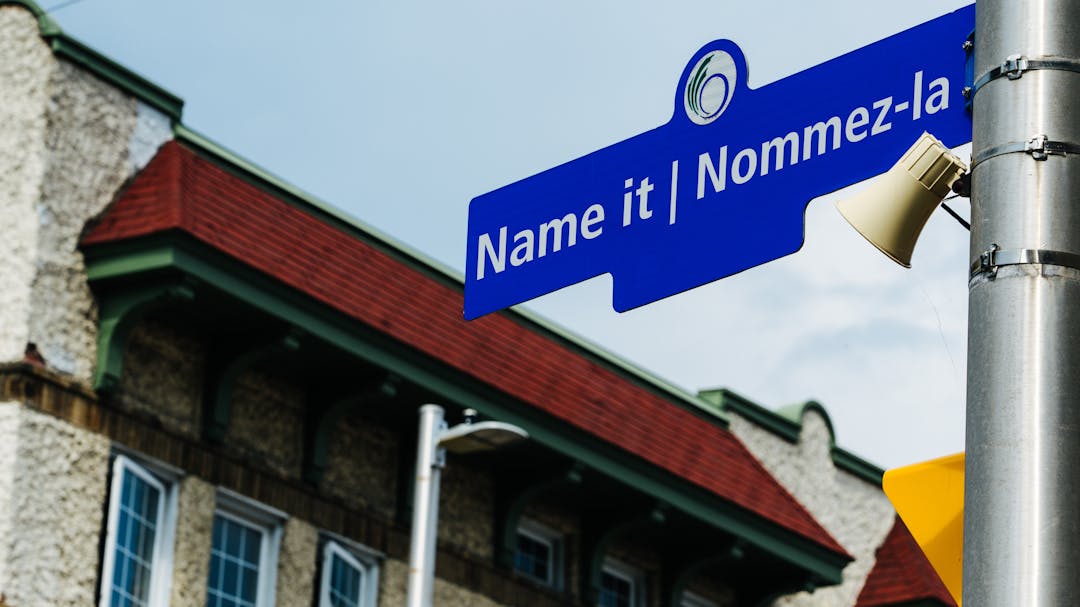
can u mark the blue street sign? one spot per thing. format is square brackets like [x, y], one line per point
[724, 185]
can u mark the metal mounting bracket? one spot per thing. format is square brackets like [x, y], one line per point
[1014, 66]
[993, 258]
[1040, 147]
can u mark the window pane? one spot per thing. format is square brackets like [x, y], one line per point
[615, 591]
[136, 532]
[346, 583]
[533, 558]
[234, 564]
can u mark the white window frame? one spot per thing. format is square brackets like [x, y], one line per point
[161, 570]
[268, 522]
[543, 534]
[366, 560]
[690, 599]
[619, 569]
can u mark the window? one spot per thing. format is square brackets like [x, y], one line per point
[243, 553]
[620, 585]
[137, 565]
[349, 577]
[538, 554]
[689, 599]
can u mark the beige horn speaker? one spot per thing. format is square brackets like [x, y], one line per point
[892, 210]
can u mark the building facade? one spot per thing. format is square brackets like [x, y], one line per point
[210, 388]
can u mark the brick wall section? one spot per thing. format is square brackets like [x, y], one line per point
[181, 190]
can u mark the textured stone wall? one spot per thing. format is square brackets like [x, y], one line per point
[267, 422]
[191, 551]
[53, 482]
[712, 590]
[25, 65]
[393, 584]
[162, 378]
[855, 512]
[362, 465]
[296, 563]
[69, 141]
[9, 429]
[467, 509]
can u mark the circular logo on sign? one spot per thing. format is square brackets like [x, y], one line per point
[710, 87]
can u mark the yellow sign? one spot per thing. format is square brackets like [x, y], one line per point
[929, 497]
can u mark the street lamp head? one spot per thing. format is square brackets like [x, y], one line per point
[483, 436]
[892, 211]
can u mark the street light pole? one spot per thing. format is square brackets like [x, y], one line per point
[429, 462]
[1021, 506]
[434, 440]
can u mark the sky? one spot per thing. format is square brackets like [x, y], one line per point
[401, 112]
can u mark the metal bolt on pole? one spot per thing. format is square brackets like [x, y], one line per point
[1021, 503]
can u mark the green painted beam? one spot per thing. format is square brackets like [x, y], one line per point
[682, 571]
[324, 418]
[118, 314]
[787, 425]
[226, 363]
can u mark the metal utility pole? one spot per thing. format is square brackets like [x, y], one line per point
[1022, 503]
[429, 463]
[434, 440]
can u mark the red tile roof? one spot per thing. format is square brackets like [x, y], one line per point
[902, 574]
[180, 189]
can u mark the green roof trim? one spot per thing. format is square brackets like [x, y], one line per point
[787, 424]
[181, 255]
[846, 460]
[66, 47]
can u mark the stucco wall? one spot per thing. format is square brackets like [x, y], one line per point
[267, 422]
[25, 65]
[467, 509]
[711, 589]
[194, 534]
[296, 563]
[9, 427]
[68, 143]
[854, 511]
[162, 378]
[393, 583]
[362, 465]
[53, 482]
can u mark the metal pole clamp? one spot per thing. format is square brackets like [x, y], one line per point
[993, 258]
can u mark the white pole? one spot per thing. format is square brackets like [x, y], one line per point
[425, 514]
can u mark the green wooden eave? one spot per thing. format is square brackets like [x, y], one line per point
[135, 261]
[786, 423]
[66, 47]
[264, 179]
